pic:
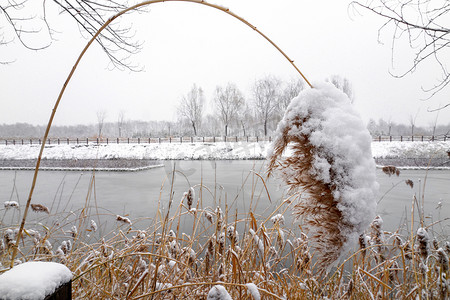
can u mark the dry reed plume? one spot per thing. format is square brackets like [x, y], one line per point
[337, 176]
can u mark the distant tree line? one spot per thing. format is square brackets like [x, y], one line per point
[233, 114]
[384, 127]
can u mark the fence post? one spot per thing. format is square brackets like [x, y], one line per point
[31, 142]
[203, 139]
[117, 141]
[128, 140]
[149, 141]
[181, 139]
[159, 140]
[390, 138]
[49, 141]
[139, 140]
[379, 138]
[39, 141]
[6, 142]
[170, 140]
[401, 138]
[87, 141]
[257, 139]
[214, 139]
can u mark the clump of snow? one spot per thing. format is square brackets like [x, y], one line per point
[253, 290]
[218, 292]
[33, 280]
[278, 218]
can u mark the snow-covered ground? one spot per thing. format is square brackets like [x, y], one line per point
[242, 150]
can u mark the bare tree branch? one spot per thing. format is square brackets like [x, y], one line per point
[424, 23]
[117, 42]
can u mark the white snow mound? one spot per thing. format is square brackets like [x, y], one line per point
[33, 280]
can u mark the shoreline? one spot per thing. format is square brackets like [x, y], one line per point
[136, 157]
[136, 165]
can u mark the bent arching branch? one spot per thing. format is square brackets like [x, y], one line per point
[94, 36]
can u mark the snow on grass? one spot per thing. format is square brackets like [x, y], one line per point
[33, 280]
[253, 290]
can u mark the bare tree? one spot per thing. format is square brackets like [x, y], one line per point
[25, 19]
[434, 124]
[120, 122]
[266, 93]
[290, 91]
[412, 122]
[424, 23]
[101, 116]
[228, 101]
[343, 84]
[191, 107]
[390, 123]
[244, 117]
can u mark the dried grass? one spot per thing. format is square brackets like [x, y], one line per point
[234, 250]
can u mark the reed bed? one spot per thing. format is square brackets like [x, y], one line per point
[190, 249]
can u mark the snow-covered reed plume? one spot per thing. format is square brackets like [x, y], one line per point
[423, 243]
[189, 195]
[123, 219]
[218, 292]
[11, 204]
[329, 156]
[94, 226]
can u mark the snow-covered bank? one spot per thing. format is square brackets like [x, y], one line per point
[208, 151]
[165, 151]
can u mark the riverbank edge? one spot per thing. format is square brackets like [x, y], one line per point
[115, 165]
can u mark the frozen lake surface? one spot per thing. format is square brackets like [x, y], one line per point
[234, 184]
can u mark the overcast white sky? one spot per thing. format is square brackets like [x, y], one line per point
[187, 43]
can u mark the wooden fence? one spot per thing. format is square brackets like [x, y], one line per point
[409, 138]
[151, 140]
[190, 139]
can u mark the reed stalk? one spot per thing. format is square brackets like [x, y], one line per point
[94, 37]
